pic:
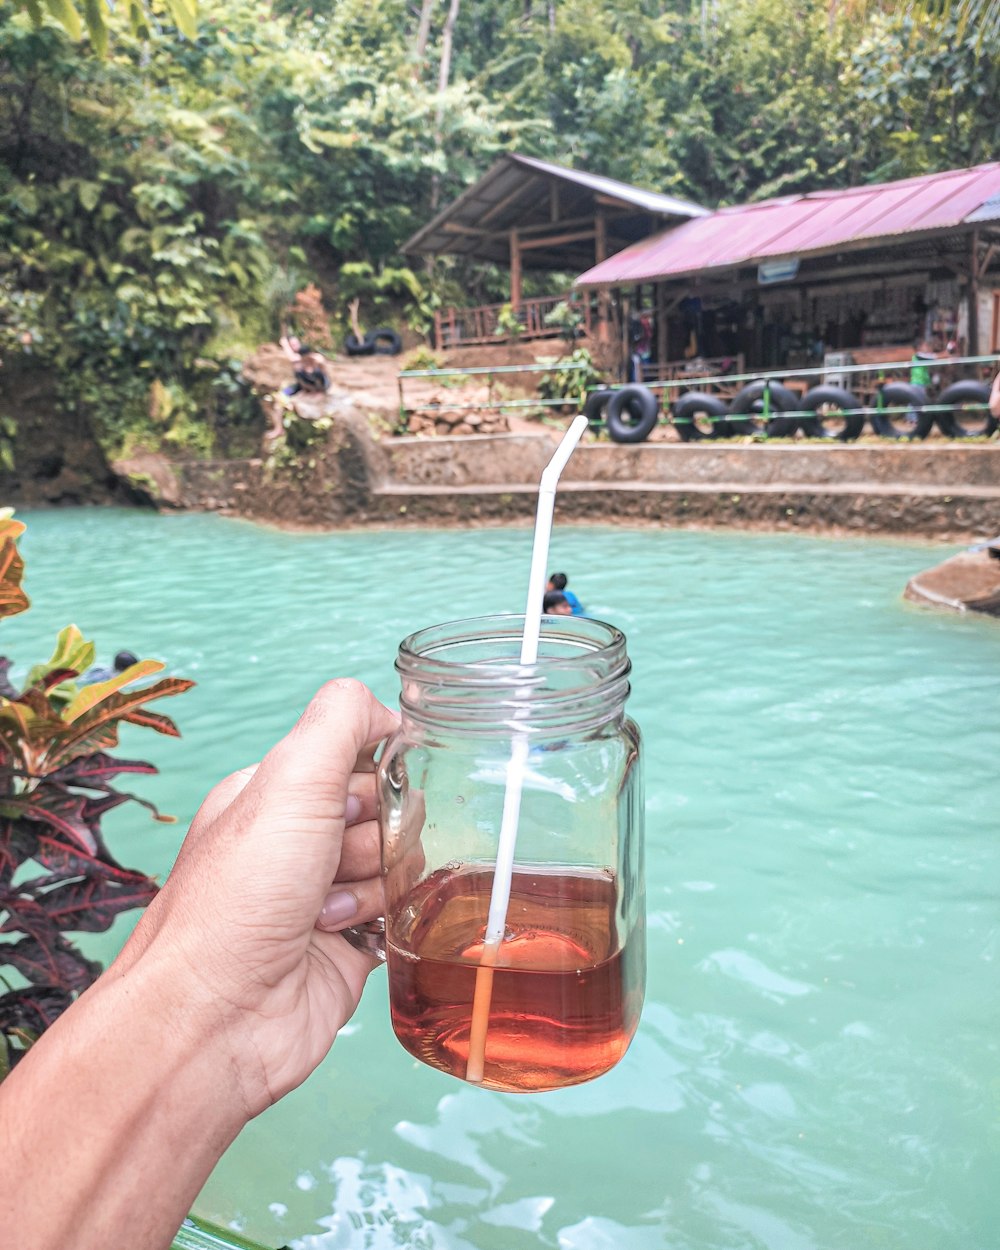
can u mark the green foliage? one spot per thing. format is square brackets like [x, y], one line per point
[509, 324]
[161, 206]
[928, 92]
[390, 289]
[95, 15]
[567, 317]
[570, 383]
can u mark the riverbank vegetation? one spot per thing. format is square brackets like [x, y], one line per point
[162, 203]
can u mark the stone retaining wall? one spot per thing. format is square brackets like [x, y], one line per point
[947, 492]
[519, 458]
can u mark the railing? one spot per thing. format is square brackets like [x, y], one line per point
[461, 327]
[689, 370]
[862, 379]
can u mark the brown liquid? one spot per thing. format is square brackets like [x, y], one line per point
[565, 1001]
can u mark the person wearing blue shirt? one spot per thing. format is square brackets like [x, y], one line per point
[557, 581]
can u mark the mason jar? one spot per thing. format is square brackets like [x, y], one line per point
[566, 969]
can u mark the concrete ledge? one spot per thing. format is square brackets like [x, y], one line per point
[506, 458]
[896, 511]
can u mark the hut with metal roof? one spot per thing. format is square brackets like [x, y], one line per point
[525, 213]
[827, 277]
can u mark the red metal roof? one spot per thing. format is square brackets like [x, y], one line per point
[800, 225]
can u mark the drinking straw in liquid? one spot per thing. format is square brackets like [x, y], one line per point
[496, 922]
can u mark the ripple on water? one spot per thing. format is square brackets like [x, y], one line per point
[816, 1064]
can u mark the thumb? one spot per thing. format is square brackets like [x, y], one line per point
[302, 781]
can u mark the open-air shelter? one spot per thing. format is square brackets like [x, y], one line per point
[528, 214]
[823, 278]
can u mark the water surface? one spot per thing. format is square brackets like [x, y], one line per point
[817, 1063]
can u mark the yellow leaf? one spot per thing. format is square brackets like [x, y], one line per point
[67, 17]
[90, 696]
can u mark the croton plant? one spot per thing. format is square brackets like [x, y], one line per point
[57, 875]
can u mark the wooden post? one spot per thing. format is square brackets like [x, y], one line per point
[662, 340]
[972, 347]
[601, 253]
[515, 270]
[625, 310]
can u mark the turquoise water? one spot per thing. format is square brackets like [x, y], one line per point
[817, 1064]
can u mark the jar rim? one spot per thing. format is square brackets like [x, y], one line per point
[590, 637]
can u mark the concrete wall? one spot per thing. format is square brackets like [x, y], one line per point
[940, 491]
[519, 459]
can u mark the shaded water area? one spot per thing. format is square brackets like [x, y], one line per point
[817, 1062]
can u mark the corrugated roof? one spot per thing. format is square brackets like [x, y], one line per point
[803, 225]
[611, 188]
[515, 193]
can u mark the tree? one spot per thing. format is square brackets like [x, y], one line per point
[96, 15]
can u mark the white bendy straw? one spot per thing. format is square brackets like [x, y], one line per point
[496, 922]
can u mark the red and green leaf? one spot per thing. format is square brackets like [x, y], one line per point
[72, 656]
[12, 597]
[34, 1009]
[55, 808]
[89, 697]
[97, 729]
[90, 904]
[55, 788]
[93, 771]
[50, 963]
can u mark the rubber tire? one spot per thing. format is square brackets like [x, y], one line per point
[751, 400]
[845, 401]
[644, 408]
[384, 341]
[594, 406]
[358, 347]
[965, 392]
[900, 395]
[697, 401]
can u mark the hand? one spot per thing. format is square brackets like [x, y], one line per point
[995, 397]
[279, 857]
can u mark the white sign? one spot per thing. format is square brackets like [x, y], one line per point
[777, 271]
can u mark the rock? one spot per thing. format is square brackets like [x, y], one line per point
[967, 582]
[150, 474]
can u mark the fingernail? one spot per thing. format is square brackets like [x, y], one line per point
[338, 906]
[352, 809]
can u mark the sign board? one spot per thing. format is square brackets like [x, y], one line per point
[772, 271]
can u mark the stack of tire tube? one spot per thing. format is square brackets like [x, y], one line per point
[382, 342]
[900, 410]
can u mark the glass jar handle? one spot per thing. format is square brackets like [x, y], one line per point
[368, 937]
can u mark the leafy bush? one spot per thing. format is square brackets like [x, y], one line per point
[571, 384]
[57, 874]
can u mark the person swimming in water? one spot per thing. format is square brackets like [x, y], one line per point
[557, 582]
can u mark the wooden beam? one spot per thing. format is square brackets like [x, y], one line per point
[507, 200]
[454, 227]
[609, 201]
[556, 240]
[554, 201]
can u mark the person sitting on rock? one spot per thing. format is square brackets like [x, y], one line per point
[307, 364]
